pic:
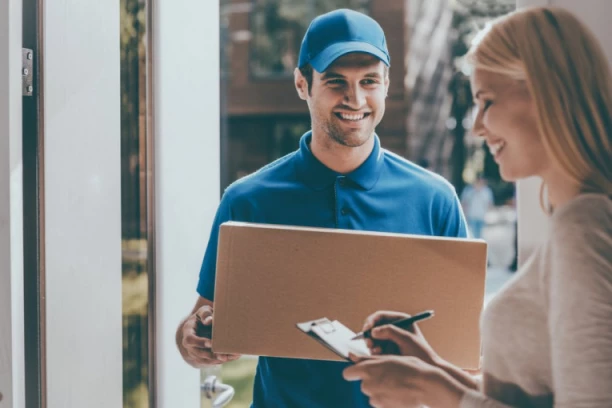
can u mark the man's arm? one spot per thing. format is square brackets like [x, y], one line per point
[453, 222]
[193, 337]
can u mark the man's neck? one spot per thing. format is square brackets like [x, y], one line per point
[339, 158]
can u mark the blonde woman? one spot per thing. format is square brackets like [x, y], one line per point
[544, 94]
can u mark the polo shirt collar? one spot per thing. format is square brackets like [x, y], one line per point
[318, 176]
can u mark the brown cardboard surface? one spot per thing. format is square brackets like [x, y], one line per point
[270, 277]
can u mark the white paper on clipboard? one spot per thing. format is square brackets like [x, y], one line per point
[335, 336]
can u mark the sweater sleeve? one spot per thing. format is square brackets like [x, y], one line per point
[476, 399]
[580, 307]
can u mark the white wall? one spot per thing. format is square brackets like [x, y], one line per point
[82, 204]
[186, 88]
[11, 213]
[531, 219]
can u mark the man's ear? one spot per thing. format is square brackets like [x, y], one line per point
[301, 85]
[387, 85]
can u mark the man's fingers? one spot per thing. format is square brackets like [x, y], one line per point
[204, 312]
[208, 353]
[191, 337]
[205, 356]
[199, 362]
[198, 333]
[193, 341]
[232, 357]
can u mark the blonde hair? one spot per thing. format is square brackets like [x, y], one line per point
[569, 79]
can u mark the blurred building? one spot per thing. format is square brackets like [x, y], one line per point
[262, 115]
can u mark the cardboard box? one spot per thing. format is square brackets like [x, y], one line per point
[270, 277]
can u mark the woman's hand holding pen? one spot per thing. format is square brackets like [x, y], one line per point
[404, 370]
[389, 339]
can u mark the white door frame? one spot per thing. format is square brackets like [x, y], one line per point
[82, 203]
[187, 175]
[12, 381]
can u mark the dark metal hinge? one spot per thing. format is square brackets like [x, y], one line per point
[27, 64]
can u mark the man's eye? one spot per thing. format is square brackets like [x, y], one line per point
[335, 82]
[369, 82]
[486, 105]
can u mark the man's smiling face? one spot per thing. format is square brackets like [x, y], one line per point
[347, 101]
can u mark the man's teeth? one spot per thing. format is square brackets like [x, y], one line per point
[495, 148]
[352, 117]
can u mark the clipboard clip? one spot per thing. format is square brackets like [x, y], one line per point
[324, 323]
[326, 328]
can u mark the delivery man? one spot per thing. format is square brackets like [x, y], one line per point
[340, 177]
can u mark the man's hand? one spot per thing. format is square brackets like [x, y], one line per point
[194, 340]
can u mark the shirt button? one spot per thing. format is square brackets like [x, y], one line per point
[345, 211]
[342, 182]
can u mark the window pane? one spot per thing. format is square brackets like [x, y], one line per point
[134, 229]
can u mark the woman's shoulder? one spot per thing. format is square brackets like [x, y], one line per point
[585, 213]
[581, 239]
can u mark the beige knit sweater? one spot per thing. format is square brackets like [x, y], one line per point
[547, 336]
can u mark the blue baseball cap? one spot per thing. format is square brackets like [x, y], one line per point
[341, 32]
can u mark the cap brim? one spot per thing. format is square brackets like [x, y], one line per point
[326, 57]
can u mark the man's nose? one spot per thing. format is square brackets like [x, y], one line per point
[354, 97]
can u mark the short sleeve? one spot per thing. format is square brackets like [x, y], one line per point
[580, 307]
[206, 283]
[453, 224]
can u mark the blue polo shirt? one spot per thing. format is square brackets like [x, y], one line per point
[386, 193]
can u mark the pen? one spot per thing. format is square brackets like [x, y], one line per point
[401, 323]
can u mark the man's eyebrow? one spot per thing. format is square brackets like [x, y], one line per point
[331, 74]
[335, 75]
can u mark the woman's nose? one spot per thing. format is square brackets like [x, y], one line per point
[478, 128]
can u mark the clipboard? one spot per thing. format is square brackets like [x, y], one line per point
[335, 336]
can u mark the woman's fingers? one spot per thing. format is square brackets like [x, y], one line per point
[382, 317]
